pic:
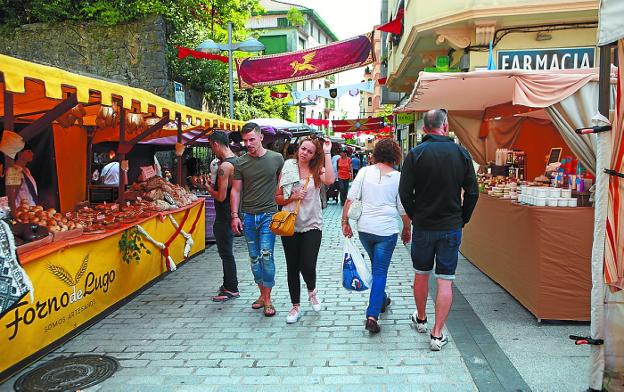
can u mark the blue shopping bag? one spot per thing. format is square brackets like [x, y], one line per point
[356, 274]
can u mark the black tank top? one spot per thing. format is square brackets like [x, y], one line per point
[222, 209]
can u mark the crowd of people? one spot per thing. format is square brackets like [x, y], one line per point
[428, 203]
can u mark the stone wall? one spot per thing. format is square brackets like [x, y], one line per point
[130, 53]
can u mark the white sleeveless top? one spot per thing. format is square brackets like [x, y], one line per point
[310, 214]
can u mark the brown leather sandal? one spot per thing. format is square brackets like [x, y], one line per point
[257, 304]
[269, 310]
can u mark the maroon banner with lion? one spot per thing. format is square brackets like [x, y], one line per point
[305, 64]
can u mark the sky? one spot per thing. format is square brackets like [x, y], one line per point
[347, 18]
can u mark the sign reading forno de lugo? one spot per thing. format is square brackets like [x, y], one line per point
[545, 59]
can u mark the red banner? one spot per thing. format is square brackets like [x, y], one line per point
[360, 124]
[318, 122]
[184, 52]
[305, 64]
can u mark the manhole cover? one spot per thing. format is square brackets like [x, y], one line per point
[68, 374]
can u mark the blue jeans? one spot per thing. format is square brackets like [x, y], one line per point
[443, 246]
[379, 249]
[260, 244]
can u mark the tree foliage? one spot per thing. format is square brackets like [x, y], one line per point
[190, 21]
[295, 17]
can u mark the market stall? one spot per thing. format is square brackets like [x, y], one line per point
[534, 243]
[82, 260]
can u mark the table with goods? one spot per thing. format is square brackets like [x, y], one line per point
[84, 262]
[534, 239]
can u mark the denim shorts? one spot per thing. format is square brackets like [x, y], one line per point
[441, 246]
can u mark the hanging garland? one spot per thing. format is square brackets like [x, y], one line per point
[164, 247]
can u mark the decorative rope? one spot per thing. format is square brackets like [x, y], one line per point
[164, 247]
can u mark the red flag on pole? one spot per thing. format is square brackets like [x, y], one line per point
[185, 52]
[395, 26]
[382, 81]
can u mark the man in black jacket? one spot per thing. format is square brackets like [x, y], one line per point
[433, 176]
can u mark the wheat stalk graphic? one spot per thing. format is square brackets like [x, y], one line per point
[62, 274]
[83, 269]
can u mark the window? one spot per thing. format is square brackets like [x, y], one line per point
[370, 101]
[302, 43]
[282, 22]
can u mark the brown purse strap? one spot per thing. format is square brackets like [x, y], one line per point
[305, 187]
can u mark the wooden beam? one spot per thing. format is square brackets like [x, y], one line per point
[179, 162]
[9, 119]
[193, 140]
[127, 146]
[40, 124]
[43, 111]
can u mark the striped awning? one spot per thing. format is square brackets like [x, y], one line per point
[614, 243]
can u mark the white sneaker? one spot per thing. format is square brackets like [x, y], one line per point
[293, 316]
[314, 300]
[421, 325]
[436, 343]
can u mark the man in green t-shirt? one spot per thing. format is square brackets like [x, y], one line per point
[255, 176]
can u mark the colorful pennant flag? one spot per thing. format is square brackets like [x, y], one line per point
[278, 95]
[491, 63]
[306, 64]
[185, 52]
[334, 92]
[395, 26]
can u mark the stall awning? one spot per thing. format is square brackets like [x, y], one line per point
[610, 21]
[38, 87]
[478, 90]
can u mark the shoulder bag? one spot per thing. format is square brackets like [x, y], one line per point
[283, 222]
[355, 209]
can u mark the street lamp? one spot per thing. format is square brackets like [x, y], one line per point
[249, 45]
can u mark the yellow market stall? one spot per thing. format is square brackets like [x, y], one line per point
[78, 276]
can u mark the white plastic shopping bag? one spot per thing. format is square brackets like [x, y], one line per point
[356, 273]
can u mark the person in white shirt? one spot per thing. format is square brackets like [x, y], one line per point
[377, 186]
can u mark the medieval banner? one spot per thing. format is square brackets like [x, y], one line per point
[361, 124]
[305, 64]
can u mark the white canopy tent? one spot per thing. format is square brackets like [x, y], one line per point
[570, 99]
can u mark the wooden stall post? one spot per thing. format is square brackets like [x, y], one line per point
[123, 179]
[90, 134]
[8, 119]
[179, 161]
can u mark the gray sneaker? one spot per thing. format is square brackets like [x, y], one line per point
[437, 343]
[421, 325]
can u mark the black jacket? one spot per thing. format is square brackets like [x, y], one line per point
[433, 176]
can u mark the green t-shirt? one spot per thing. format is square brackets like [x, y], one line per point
[259, 176]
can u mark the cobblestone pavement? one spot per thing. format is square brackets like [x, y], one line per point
[172, 337]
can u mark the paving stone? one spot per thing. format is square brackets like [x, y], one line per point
[194, 344]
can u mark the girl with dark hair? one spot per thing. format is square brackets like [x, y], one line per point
[301, 180]
[377, 186]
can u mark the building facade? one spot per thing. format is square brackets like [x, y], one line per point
[280, 36]
[525, 34]
[455, 35]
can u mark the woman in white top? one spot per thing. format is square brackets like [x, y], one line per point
[377, 186]
[301, 180]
